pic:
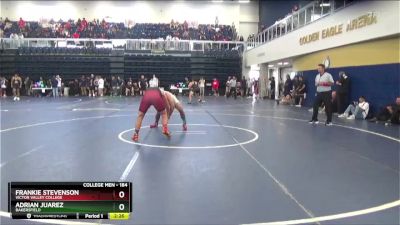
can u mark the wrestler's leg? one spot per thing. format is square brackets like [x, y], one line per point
[138, 125]
[182, 114]
[164, 120]
[158, 115]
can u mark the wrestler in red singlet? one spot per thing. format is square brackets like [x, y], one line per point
[152, 97]
[172, 103]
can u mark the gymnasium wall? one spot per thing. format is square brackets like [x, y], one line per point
[373, 67]
[243, 15]
[287, 46]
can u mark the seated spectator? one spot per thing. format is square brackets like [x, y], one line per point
[359, 110]
[287, 95]
[389, 114]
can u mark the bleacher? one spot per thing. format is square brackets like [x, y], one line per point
[72, 63]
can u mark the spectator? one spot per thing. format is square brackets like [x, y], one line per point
[232, 85]
[154, 82]
[100, 83]
[227, 86]
[28, 86]
[143, 85]
[21, 24]
[83, 86]
[272, 87]
[288, 86]
[202, 85]
[114, 86]
[128, 87]
[92, 86]
[95, 29]
[3, 87]
[323, 82]
[342, 91]
[358, 110]
[300, 92]
[16, 83]
[215, 87]
[120, 86]
[389, 114]
[243, 86]
[135, 89]
[54, 86]
[255, 90]
[194, 90]
[59, 82]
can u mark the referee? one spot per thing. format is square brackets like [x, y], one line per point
[323, 82]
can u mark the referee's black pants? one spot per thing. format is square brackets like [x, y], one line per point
[326, 98]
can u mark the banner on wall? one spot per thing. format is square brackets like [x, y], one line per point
[338, 29]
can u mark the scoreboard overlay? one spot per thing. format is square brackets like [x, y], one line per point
[70, 200]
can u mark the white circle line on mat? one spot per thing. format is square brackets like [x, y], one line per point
[120, 136]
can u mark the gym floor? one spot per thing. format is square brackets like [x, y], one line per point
[238, 163]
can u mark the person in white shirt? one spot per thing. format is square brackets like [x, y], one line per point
[202, 85]
[323, 82]
[358, 110]
[100, 84]
[59, 82]
[153, 83]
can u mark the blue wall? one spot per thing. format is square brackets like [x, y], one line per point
[380, 84]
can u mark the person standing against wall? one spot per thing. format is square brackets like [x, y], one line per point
[342, 91]
[323, 82]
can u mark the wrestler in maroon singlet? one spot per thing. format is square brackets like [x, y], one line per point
[152, 97]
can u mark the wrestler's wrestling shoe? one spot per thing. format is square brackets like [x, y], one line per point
[135, 137]
[154, 125]
[184, 127]
[166, 132]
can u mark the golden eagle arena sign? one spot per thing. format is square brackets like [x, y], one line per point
[358, 23]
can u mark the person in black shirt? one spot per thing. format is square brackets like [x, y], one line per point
[54, 83]
[82, 85]
[92, 86]
[389, 113]
[342, 91]
[143, 85]
[272, 87]
[300, 92]
[128, 87]
[288, 86]
[120, 86]
[28, 86]
[114, 86]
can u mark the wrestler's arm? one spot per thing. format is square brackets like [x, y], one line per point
[167, 104]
